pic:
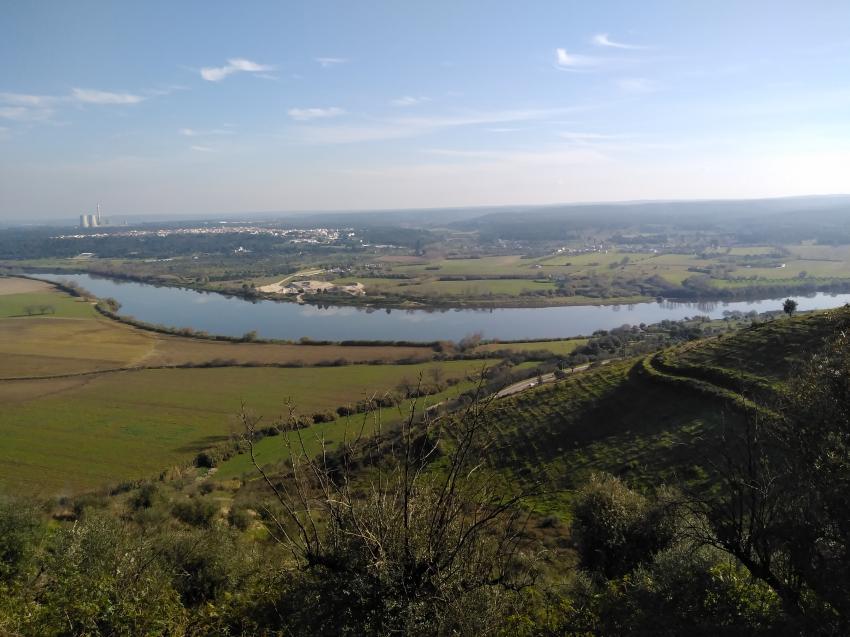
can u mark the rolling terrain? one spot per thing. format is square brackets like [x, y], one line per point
[655, 419]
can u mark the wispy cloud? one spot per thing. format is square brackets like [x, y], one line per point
[20, 107]
[551, 155]
[580, 136]
[203, 149]
[193, 132]
[25, 107]
[91, 96]
[22, 114]
[327, 62]
[234, 65]
[576, 62]
[636, 85]
[602, 39]
[306, 114]
[405, 127]
[27, 100]
[409, 100]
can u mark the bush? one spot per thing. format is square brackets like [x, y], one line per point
[195, 511]
[144, 497]
[19, 530]
[240, 517]
[323, 416]
[616, 529]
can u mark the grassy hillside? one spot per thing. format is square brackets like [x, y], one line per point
[652, 420]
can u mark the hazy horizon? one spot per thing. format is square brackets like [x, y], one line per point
[214, 109]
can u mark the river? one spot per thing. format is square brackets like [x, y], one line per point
[231, 316]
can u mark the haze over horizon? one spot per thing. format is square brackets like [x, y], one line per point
[214, 108]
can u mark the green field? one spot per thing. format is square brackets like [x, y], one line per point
[61, 306]
[561, 348]
[329, 435]
[71, 434]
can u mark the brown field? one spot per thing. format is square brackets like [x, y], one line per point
[13, 285]
[75, 339]
[174, 350]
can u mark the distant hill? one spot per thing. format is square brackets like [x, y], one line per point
[791, 218]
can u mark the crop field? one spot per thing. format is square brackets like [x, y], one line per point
[328, 435]
[68, 434]
[69, 423]
[480, 287]
[562, 347]
[72, 338]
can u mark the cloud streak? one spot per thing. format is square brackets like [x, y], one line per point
[406, 127]
[306, 114]
[636, 85]
[576, 62]
[602, 39]
[409, 100]
[192, 132]
[328, 62]
[234, 65]
[91, 96]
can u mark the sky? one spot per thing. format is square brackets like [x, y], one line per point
[155, 108]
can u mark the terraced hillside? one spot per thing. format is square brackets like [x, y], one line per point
[653, 420]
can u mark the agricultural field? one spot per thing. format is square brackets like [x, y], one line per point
[70, 337]
[559, 348]
[69, 434]
[88, 400]
[609, 274]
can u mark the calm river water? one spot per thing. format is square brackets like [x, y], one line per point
[218, 314]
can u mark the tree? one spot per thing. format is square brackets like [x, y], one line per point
[410, 550]
[616, 529]
[783, 503]
[789, 307]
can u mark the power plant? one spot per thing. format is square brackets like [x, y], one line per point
[93, 221]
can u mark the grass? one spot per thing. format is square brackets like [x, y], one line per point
[272, 450]
[76, 339]
[480, 287]
[36, 346]
[560, 348]
[63, 306]
[65, 435]
[640, 426]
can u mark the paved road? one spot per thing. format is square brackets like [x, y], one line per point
[529, 383]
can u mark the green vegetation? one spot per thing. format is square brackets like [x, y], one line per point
[80, 433]
[558, 348]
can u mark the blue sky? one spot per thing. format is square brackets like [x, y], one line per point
[213, 107]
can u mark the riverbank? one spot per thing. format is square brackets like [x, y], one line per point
[188, 312]
[722, 292]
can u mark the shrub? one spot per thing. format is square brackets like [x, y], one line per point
[617, 529]
[195, 511]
